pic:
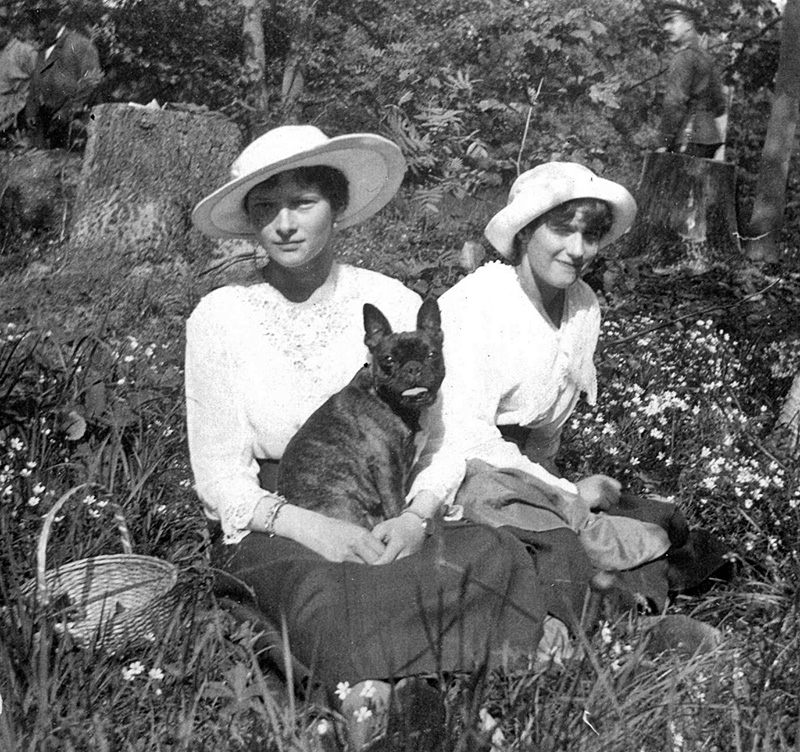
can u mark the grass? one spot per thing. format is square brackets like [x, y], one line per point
[91, 393]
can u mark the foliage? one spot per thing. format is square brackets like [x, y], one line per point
[685, 411]
[472, 91]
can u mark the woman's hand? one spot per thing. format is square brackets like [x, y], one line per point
[402, 536]
[599, 491]
[335, 540]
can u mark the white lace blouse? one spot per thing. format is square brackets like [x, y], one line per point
[257, 365]
[507, 364]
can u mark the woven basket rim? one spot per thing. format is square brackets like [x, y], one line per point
[166, 568]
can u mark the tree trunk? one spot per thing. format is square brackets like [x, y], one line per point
[293, 84]
[787, 427]
[255, 64]
[766, 220]
[143, 172]
[687, 214]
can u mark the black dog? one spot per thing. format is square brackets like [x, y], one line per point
[352, 458]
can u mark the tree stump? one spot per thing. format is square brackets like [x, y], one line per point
[687, 214]
[144, 170]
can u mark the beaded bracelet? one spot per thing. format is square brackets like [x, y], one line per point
[269, 526]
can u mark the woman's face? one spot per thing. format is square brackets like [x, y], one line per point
[293, 220]
[557, 255]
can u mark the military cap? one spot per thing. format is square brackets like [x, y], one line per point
[667, 10]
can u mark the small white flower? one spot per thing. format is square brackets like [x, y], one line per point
[343, 689]
[38, 489]
[368, 690]
[16, 445]
[362, 714]
[324, 727]
[156, 674]
[132, 671]
[33, 501]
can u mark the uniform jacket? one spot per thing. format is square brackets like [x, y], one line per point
[65, 79]
[693, 98]
[17, 64]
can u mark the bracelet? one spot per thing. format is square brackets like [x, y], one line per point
[269, 526]
[425, 521]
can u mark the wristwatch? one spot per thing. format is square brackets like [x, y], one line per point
[426, 522]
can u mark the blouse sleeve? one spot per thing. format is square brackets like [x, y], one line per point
[220, 437]
[462, 424]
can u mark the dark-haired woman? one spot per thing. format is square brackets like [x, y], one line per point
[357, 605]
[519, 345]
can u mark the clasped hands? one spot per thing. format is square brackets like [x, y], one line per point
[337, 540]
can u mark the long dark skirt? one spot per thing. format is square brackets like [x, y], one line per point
[472, 596]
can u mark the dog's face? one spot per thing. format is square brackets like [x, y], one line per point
[407, 367]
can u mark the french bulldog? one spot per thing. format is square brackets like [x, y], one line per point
[352, 458]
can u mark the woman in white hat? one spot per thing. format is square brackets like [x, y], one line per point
[259, 360]
[519, 345]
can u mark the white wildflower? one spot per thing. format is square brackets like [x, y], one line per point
[343, 689]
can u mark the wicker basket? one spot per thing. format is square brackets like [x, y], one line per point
[105, 601]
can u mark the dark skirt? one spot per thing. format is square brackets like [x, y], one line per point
[473, 596]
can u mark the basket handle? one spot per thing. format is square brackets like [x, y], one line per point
[44, 536]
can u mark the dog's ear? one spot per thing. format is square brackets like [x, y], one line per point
[429, 320]
[376, 326]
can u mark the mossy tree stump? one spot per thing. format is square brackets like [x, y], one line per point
[687, 213]
[143, 171]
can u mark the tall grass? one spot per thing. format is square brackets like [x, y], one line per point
[683, 414]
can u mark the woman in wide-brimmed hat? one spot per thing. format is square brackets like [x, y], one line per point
[259, 360]
[519, 342]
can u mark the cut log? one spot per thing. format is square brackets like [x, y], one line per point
[787, 426]
[143, 171]
[687, 214]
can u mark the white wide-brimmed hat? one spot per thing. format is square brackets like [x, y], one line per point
[548, 185]
[373, 166]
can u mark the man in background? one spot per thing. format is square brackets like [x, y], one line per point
[67, 74]
[694, 95]
[17, 64]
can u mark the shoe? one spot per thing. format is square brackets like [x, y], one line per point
[417, 718]
[702, 558]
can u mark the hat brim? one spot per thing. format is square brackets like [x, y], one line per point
[373, 166]
[535, 200]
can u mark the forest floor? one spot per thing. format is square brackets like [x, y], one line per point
[693, 371]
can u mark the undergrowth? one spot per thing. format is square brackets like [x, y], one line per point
[689, 386]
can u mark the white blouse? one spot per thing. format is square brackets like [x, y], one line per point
[506, 364]
[257, 365]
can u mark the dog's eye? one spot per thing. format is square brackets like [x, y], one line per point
[387, 362]
[432, 355]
